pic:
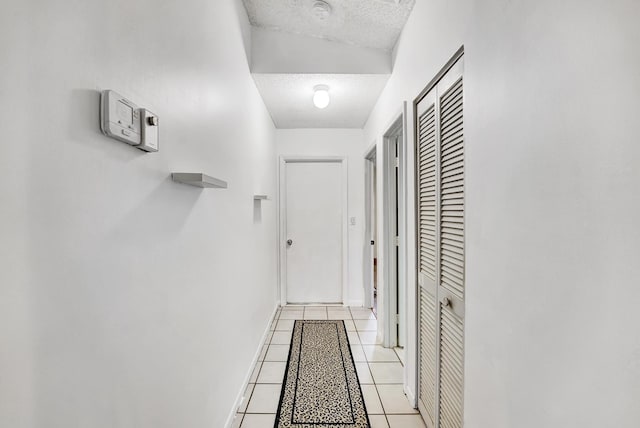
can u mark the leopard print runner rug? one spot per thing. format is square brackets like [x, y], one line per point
[321, 387]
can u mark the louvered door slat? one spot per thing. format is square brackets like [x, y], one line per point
[452, 231]
[453, 236]
[453, 188]
[428, 346]
[450, 100]
[452, 245]
[452, 179]
[424, 120]
[451, 254]
[428, 266]
[427, 183]
[452, 203]
[427, 174]
[452, 221]
[428, 127]
[453, 161]
[451, 370]
[454, 120]
[452, 142]
[452, 374]
[453, 139]
[453, 131]
[453, 264]
[427, 137]
[453, 257]
[450, 195]
[451, 174]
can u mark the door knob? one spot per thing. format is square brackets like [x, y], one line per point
[289, 242]
[446, 302]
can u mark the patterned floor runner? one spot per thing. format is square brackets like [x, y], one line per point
[321, 387]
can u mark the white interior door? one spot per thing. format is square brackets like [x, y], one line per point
[313, 232]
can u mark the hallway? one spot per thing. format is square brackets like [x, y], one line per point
[167, 167]
[380, 370]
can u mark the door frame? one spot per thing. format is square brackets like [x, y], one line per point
[282, 219]
[369, 214]
[389, 200]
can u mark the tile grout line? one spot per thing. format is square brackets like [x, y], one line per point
[384, 412]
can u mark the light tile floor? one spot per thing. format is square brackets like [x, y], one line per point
[379, 370]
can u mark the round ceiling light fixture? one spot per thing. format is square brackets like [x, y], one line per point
[321, 98]
[321, 9]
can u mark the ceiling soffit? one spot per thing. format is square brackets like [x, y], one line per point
[365, 23]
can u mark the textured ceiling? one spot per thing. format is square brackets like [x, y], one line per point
[288, 98]
[366, 23]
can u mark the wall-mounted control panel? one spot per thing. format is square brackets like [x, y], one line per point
[125, 121]
[150, 123]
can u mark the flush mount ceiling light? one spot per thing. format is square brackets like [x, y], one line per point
[321, 97]
[321, 9]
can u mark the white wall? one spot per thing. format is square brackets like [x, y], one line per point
[127, 300]
[337, 142]
[551, 113]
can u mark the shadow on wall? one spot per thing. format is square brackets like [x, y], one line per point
[257, 211]
[144, 226]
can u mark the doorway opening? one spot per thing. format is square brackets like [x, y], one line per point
[394, 230]
[370, 250]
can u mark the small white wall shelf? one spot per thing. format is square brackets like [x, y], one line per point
[260, 197]
[198, 179]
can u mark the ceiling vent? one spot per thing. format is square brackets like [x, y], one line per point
[321, 9]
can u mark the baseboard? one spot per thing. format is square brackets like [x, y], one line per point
[411, 396]
[238, 400]
[355, 303]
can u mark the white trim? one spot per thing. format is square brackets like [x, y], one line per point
[407, 228]
[383, 313]
[371, 150]
[282, 209]
[355, 303]
[386, 262]
[411, 396]
[408, 255]
[367, 259]
[402, 220]
[247, 377]
[388, 265]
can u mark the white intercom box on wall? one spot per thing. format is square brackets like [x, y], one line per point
[125, 121]
[150, 124]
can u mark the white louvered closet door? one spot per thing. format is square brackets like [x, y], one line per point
[440, 183]
[427, 249]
